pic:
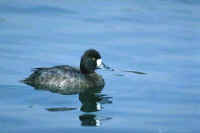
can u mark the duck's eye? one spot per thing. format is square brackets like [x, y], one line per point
[93, 58]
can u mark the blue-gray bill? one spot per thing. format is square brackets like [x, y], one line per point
[103, 66]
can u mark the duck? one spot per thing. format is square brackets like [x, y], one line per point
[65, 78]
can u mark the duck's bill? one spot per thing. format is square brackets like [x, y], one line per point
[101, 65]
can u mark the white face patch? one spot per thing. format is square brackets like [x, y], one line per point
[99, 62]
[98, 106]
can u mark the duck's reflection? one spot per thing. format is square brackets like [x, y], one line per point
[92, 101]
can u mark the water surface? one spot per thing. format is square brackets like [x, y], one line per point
[157, 37]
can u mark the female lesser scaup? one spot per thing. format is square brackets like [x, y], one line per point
[62, 77]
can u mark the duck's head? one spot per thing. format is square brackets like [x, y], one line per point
[90, 61]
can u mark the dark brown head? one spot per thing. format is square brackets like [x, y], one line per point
[90, 61]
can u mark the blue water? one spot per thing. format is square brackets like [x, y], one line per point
[157, 37]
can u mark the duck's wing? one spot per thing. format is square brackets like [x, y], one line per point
[43, 75]
[56, 79]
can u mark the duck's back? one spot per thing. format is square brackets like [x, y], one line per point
[63, 77]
